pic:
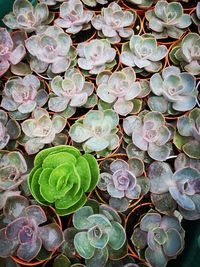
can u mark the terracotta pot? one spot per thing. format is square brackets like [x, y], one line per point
[128, 5]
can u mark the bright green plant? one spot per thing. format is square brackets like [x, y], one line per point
[61, 176]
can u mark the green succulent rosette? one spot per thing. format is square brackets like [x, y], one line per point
[61, 177]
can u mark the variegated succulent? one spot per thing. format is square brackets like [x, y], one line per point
[51, 50]
[26, 17]
[167, 20]
[22, 95]
[96, 56]
[183, 186]
[70, 92]
[73, 17]
[93, 3]
[186, 54]
[143, 53]
[142, 4]
[123, 181]
[118, 89]
[196, 16]
[158, 238]
[114, 23]
[150, 133]
[12, 49]
[41, 130]
[97, 131]
[175, 91]
[23, 234]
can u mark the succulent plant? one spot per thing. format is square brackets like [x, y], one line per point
[196, 16]
[93, 3]
[97, 234]
[73, 17]
[121, 180]
[167, 20]
[51, 49]
[189, 127]
[62, 260]
[113, 23]
[22, 95]
[52, 2]
[61, 176]
[71, 91]
[96, 56]
[41, 129]
[11, 52]
[183, 161]
[150, 133]
[97, 131]
[142, 4]
[175, 91]
[143, 53]
[23, 236]
[186, 53]
[118, 89]
[26, 17]
[183, 186]
[160, 238]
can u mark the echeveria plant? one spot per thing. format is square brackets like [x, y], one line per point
[52, 2]
[118, 89]
[22, 95]
[149, 133]
[26, 17]
[41, 129]
[183, 186]
[183, 161]
[73, 17]
[23, 234]
[121, 182]
[93, 3]
[167, 20]
[175, 91]
[186, 53]
[71, 91]
[143, 53]
[51, 49]
[143, 4]
[159, 238]
[114, 23]
[196, 16]
[61, 176]
[97, 131]
[96, 56]
[11, 52]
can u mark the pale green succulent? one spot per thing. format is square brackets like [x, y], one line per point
[187, 53]
[93, 3]
[167, 20]
[143, 53]
[26, 17]
[196, 16]
[114, 23]
[41, 130]
[175, 91]
[52, 2]
[142, 4]
[97, 131]
[73, 17]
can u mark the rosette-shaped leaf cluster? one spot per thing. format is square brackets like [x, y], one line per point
[175, 91]
[141, 4]
[9, 129]
[73, 17]
[26, 17]
[61, 176]
[119, 89]
[187, 53]
[97, 131]
[196, 16]
[167, 20]
[123, 181]
[41, 129]
[52, 2]
[93, 3]
[23, 236]
[22, 95]
[11, 52]
[100, 234]
[159, 238]
[114, 23]
[189, 127]
[150, 133]
[72, 91]
[143, 53]
[183, 161]
[96, 56]
[183, 186]
[51, 49]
